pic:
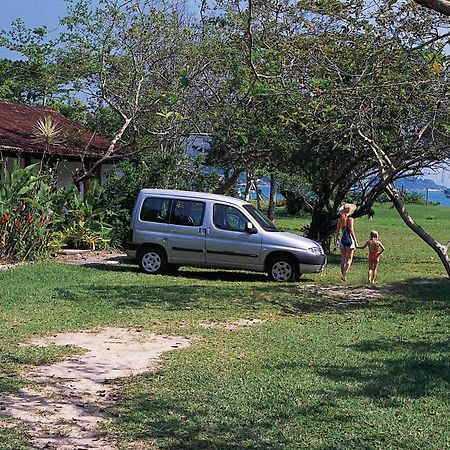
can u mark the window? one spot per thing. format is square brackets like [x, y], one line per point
[229, 218]
[261, 218]
[156, 210]
[187, 212]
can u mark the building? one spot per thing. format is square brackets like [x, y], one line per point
[18, 141]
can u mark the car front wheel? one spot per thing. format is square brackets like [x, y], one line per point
[283, 269]
[152, 261]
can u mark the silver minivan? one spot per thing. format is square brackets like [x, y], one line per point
[172, 228]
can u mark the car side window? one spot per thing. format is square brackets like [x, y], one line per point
[187, 212]
[155, 210]
[228, 218]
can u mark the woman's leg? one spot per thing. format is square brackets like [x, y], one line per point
[343, 259]
[348, 260]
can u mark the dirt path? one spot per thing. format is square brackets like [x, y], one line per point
[90, 258]
[63, 413]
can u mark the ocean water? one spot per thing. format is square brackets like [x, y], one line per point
[437, 197]
[433, 196]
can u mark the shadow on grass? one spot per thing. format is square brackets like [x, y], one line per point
[182, 423]
[413, 369]
[8, 383]
[169, 297]
[421, 294]
[207, 274]
[214, 290]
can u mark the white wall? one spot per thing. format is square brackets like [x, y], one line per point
[65, 171]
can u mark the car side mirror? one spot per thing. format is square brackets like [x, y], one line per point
[250, 228]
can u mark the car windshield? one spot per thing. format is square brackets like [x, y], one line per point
[261, 218]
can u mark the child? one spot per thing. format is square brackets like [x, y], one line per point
[376, 248]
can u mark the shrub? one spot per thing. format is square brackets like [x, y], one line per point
[87, 223]
[29, 204]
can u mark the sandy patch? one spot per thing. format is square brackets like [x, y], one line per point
[337, 298]
[64, 411]
[5, 266]
[88, 257]
[346, 293]
[231, 326]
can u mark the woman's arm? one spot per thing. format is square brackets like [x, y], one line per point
[337, 231]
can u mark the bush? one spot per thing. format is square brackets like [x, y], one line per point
[29, 204]
[87, 223]
[295, 203]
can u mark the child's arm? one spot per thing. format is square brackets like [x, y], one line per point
[381, 246]
[363, 246]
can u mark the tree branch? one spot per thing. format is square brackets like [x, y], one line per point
[441, 6]
[431, 41]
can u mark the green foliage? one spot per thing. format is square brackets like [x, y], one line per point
[88, 222]
[38, 77]
[29, 205]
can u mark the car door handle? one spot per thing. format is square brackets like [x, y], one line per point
[203, 231]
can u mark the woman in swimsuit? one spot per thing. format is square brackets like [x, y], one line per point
[347, 243]
[376, 248]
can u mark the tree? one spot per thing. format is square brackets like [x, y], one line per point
[36, 78]
[130, 58]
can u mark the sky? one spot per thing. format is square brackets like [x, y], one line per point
[42, 12]
[34, 13]
[48, 12]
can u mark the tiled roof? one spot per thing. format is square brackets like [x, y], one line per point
[17, 124]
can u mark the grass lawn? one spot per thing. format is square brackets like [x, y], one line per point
[374, 376]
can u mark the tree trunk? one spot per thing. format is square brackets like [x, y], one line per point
[322, 227]
[272, 198]
[441, 250]
[229, 183]
[248, 185]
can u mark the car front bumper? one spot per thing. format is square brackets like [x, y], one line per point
[312, 263]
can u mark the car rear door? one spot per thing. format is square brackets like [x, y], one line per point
[152, 224]
[186, 232]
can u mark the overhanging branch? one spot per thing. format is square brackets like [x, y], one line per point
[441, 6]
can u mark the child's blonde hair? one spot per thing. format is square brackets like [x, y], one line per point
[374, 234]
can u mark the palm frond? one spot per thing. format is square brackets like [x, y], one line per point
[46, 131]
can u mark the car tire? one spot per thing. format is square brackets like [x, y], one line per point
[152, 261]
[283, 269]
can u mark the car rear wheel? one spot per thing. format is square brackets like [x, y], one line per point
[283, 269]
[152, 261]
